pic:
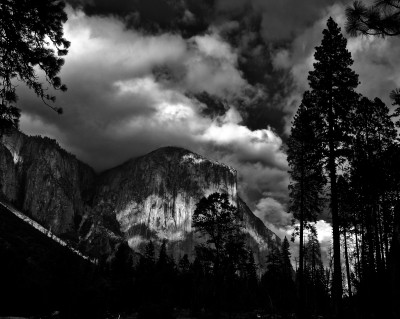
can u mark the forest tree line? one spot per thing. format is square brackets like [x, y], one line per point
[221, 278]
[343, 153]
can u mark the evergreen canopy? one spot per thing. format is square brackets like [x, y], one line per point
[31, 36]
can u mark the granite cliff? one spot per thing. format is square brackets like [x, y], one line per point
[44, 181]
[150, 197]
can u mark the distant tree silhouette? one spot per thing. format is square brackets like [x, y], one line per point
[251, 271]
[185, 282]
[287, 268]
[149, 255]
[121, 266]
[287, 277]
[145, 273]
[121, 273]
[277, 281]
[317, 296]
[163, 258]
[31, 36]
[271, 281]
[216, 219]
[184, 264]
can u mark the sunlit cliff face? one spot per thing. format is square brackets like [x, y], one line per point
[156, 195]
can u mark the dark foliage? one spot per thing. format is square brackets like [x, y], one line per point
[381, 18]
[31, 36]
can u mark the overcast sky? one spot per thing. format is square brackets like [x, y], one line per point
[222, 78]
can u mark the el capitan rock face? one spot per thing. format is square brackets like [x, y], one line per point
[150, 197]
[156, 194]
[154, 197]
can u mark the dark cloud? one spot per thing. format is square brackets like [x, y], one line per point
[261, 28]
[187, 17]
[239, 24]
[280, 20]
[214, 105]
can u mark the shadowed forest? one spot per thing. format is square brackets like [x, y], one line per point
[343, 153]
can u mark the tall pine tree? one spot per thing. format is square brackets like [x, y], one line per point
[332, 84]
[307, 180]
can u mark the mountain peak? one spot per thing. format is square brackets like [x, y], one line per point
[171, 151]
[185, 156]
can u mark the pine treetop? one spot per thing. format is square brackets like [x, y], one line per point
[333, 61]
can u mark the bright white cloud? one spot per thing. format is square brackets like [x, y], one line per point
[213, 46]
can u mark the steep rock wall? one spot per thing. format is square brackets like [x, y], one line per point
[154, 196]
[8, 175]
[50, 183]
[258, 236]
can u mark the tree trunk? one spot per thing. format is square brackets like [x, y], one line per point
[386, 230]
[380, 236]
[358, 254]
[301, 248]
[347, 262]
[376, 239]
[337, 289]
[364, 250]
[301, 263]
[370, 241]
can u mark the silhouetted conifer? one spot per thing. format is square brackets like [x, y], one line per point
[306, 188]
[332, 84]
